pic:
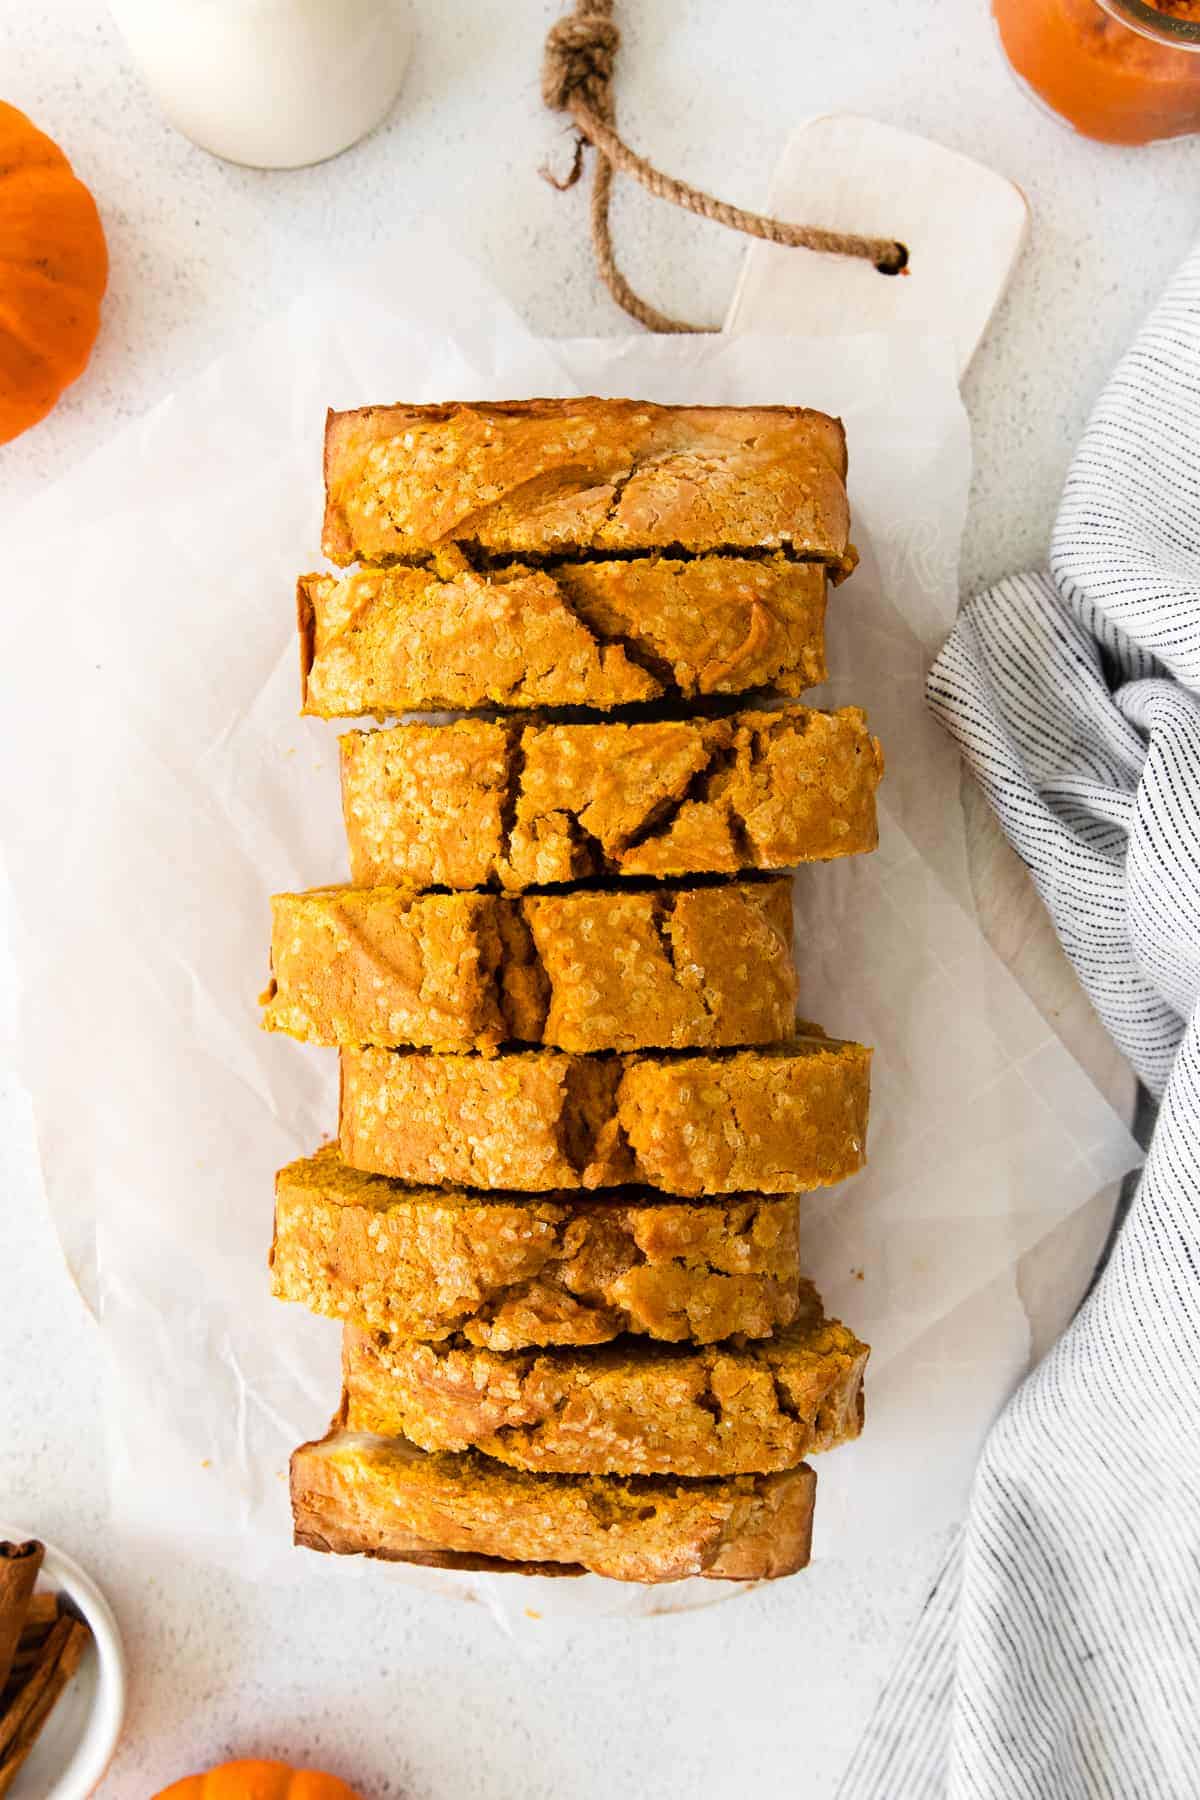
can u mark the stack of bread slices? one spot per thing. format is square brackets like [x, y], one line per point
[561, 1223]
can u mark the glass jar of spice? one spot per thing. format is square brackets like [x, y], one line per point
[1123, 71]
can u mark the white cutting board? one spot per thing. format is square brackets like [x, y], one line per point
[964, 225]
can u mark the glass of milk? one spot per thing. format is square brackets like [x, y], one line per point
[272, 83]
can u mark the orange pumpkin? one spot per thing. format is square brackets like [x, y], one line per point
[256, 1780]
[53, 271]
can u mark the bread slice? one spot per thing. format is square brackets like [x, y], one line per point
[541, 476]
[506, 1271]
[773, 1121]
[628, 1408]
[597, 634]
[675, 968]
[476, 803]
[382, 1497]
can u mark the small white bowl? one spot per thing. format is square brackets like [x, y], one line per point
[77, 1741]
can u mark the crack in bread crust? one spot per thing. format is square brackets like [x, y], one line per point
[603, 635]
[503, 1270]
[629, 1408]
[639, 647]
[475, 803]
[581, 971]
[787, 1120]
[385, 641]
[537, 476]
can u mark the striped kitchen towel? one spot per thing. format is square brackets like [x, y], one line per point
[1060, 1652]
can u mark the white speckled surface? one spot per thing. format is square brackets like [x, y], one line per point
[415, 1696]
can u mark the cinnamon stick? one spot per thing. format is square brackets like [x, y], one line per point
[32, 1705]
[43, 1610]
[40, 1614]
[19, 1566]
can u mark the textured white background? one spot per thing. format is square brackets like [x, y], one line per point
[420, 1697]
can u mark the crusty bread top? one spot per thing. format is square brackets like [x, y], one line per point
[781, 1120]
[475, 803]
[507, 1270]
[546, 476]
[671, 967]
[601, 632]
[632, 1407]
[356, 1494]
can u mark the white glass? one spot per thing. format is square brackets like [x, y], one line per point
[272, 83]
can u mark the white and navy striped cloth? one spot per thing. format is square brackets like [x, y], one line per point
[1060, 1652]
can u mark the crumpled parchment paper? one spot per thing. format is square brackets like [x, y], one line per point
[161, 786]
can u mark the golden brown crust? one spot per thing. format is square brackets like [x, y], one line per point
[710, 624]
[629, 1408]
[380, 965]
[473, 803]
[675, 968]
[381, 1497]
[396, 640]
[582, 634]
[507, 1271]
[775, 1121]
[538, 476]
[427, 805]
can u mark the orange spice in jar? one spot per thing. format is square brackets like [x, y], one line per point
[1123, 71]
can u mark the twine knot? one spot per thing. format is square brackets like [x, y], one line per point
[578, 62]
[577, 75]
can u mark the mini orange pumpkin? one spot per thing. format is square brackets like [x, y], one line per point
[53, 272]
[253, 1779]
